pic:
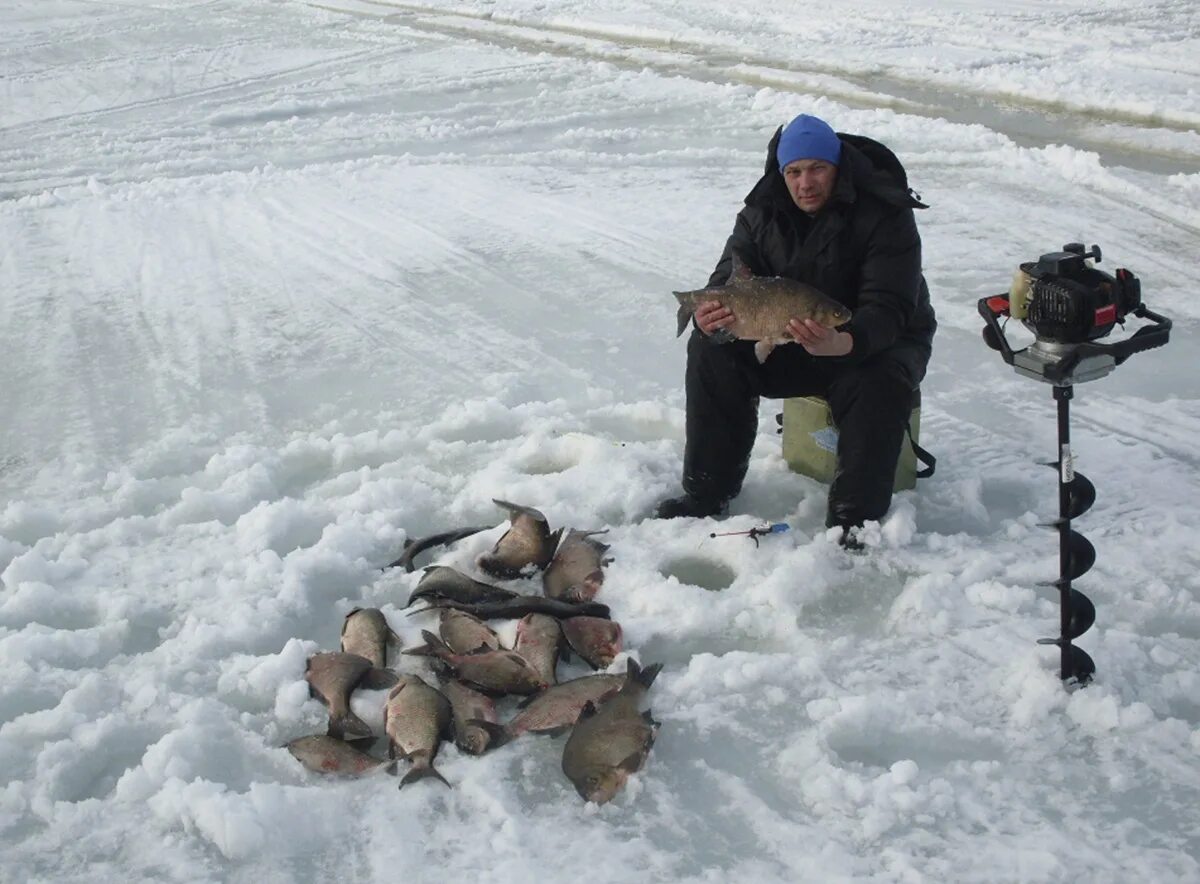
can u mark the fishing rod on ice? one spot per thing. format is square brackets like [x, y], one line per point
[755, 533]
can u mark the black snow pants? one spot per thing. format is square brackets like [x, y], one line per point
[870, 403]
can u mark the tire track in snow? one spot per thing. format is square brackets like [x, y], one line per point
[248, 87]
[873, 88]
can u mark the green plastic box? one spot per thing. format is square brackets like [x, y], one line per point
[810, 441]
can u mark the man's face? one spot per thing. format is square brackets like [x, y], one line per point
[810, 182]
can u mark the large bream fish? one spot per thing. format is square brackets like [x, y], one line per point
[762, 307]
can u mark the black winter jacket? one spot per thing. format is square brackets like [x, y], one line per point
[862, 249]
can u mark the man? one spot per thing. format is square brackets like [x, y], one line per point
[833, 211]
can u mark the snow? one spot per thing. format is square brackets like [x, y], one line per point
[287, 283]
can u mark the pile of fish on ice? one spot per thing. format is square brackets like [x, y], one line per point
[610, 736]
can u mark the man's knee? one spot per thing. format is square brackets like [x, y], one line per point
[876, 394]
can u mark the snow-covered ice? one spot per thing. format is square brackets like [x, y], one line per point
[287, 283]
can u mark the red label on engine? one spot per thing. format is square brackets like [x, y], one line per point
[998, 304]
[1106, 315]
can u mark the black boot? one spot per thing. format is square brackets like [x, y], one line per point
[849, 539]
[689, 507]
[849, 522]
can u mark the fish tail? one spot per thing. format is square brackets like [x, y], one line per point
[417, 595]
[516, 509]
[413, 548]
[498, 734]
[421, 773]
[643, 677]
[433, 646]
[685, 311]
[548, 549]
[348, 723]
[378, 679]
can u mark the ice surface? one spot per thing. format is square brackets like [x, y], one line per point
[288, 283]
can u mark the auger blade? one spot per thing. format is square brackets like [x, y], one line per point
[1082, 495]
[1081, 491]
[1078, 665]
[1081, 556]
[1083, 614]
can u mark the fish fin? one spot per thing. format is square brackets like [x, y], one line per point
[633, 763]
[684, 316]
[419, 593]
[346, 620]
[738, 269]
[435, 643]
[552, 541]
[498, 734]
[391, 767]
[516, 509]
[762, 349]
[588, 710]
[722, 336]
[393, 637]
[648, 717]
[375, 679]
[349, 723]
[431, 603]
[525, 701]
[421, 773]
[516, 658]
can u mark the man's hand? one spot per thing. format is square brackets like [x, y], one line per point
[712, 315]
[818, 340]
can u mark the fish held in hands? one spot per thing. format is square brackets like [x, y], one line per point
[762, 307]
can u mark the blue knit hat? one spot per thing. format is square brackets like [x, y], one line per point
[808, 138]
